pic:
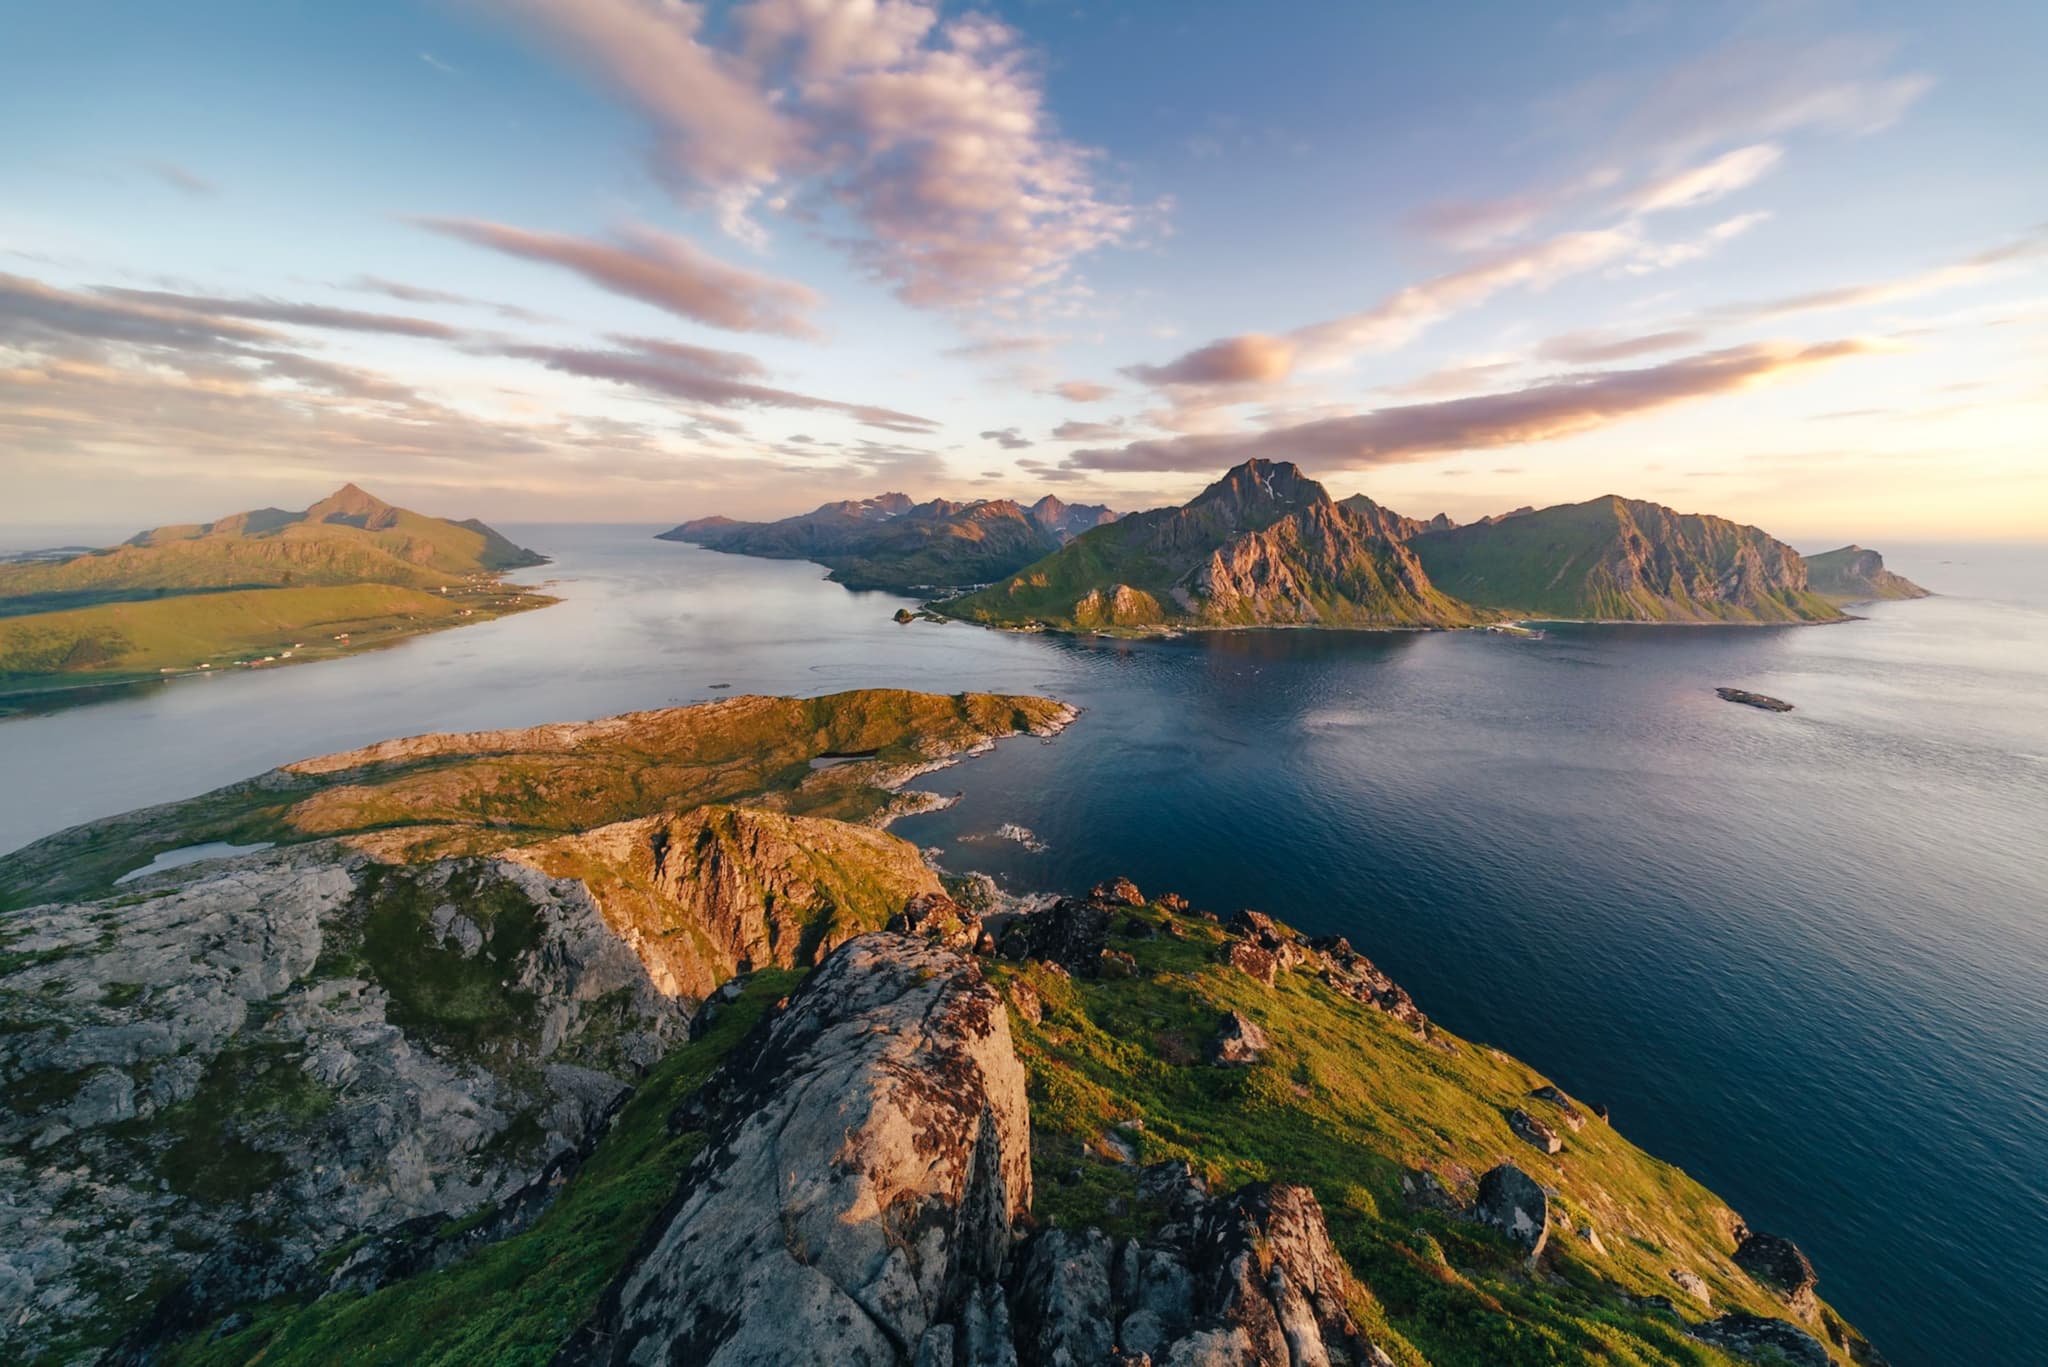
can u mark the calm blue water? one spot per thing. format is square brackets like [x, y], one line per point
[1803, 956]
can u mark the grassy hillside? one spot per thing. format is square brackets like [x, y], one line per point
[254, 584]
[1615, 559]
[491, 790]
[141, 639]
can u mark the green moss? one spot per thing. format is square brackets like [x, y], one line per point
[515, 1301]
[249, 1092]
[465, 1002]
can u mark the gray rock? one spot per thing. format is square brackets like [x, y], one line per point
[1779, 1264]
[1512, 1202]
[1757, 1338]
[1239, 1042]
[1566, 1111]
[1692, 1284]
[1529, 1128]
[1065, 1278]
[869, 1149]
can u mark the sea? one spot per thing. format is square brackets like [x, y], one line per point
[1802, 955]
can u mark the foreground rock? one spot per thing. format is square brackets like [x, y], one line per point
[308, 1045]
[1512, 1202]
[870, 1148]
[1779, 1263]
[1763, 1340]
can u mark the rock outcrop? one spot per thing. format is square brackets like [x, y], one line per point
[309, 1045]
[1855, 575]
[1763, 1340]
[870, 1149]
[1780, 1264]
[1533, 1131]
[1511, 1201]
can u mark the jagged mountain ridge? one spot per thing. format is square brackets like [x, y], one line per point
[1620, 559]
[891, 542]
[1262, 546]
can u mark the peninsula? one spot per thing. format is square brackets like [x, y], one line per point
[257, 589]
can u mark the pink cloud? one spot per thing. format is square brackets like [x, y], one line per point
[1542, 412]
[657, 268]
[930, 132]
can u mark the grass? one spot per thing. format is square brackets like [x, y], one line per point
[515, 1301]
[465, 1003]
[1346, 1101]
[483, 792]
[124, 641]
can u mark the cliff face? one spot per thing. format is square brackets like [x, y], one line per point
[1855, 575]
[1620, 559]
[1263, 546]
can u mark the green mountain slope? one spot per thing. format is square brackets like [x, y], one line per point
[1619, 559]
[1263, 546]
[1852, 574]
[256, 584]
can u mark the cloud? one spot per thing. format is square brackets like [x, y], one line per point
[1395, 320]
[1471, 224]
[657, 268]
[182, 178]
[1082, 391]
[1969, 270]
[419, 294]
[989, 348]
[281, 311]
[1591, 348]
[1664, 255]
[1252, 358]
[702, 375]
[1009, 438]
[1724, 175]
[1542, 412]
[930, 133]
[435, 62]
[31, 310]
[1074, 429]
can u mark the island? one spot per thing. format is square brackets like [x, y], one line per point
[1852, 574]
[1758, 700]
[890, 542]
[254, 590]
[643, 1039]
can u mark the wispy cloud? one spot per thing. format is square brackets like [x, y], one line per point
[1973, 269]
[418, 294]
[657, 268]
[722, 379]
[1009, 438]
[182, 178]
[288, 313]
[1543, 412]
[930, 132]
[1716, 179]
[1082, 391]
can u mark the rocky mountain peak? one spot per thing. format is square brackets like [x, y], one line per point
[355, 506]
[1260, 489]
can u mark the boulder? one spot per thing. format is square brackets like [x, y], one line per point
[1343, 968]
[1512, 1202]
[1758, 1338]
[869, 1149]
[1529, 1128]
[1253, 961]
[938, 918]
[1239, 1042]
[1069, 933]
[1064, 1278]
[1779, 1264]
[1567, 1112]
[1117, 891]
[1692, 1284]
[1115, 963]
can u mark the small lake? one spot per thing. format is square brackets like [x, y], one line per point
[1801, 955]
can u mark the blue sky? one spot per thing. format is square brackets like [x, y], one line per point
[625, 259]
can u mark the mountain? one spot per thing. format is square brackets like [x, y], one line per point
[1855, 575]
[1620, 559]
[889, 542]
[265, 585]
[635, 1040]
[1262, 546]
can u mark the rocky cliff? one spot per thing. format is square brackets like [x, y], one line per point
[1263, 546]
[1852, 574]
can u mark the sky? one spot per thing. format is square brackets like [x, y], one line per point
[645, 260]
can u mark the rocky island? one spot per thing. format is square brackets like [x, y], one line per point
[640, 1040]
[1757, 700]
[257, 589]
